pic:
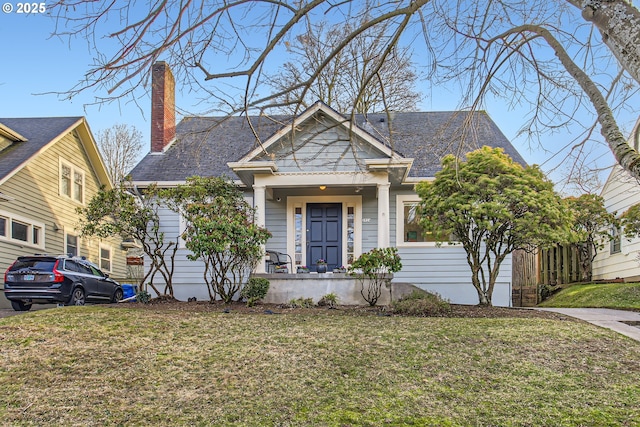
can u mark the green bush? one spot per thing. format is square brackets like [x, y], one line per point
[255, 289]
[421, 303]
[301, 303]
[330, 300]
[143, 297]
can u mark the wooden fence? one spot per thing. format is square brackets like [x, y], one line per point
[524, 278]
[560, 265]
[547, 267]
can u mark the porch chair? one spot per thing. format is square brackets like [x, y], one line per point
[277, 260]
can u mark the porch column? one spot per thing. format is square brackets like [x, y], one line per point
[383, 215]
[259, 202]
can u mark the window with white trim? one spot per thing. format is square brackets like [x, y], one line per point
[20, 230]
[72, 181]
[409, 232]
[71, 245]
[616, 240]
[105, 258]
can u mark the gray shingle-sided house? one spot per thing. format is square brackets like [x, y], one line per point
[325, 186]
[49, 166]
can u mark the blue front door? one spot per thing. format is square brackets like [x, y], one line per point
[324, 234]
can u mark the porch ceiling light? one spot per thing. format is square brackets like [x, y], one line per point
[323, 187]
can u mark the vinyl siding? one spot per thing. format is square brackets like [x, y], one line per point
[317, 147]
[438, 269]
[369, 224]
[35, 193]
[620, 193]
[4, 142]
[276, 223]
[443, 269]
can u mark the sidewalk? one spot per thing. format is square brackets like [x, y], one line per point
[605, 318]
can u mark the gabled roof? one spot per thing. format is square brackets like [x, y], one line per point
[618, 174]
[320, 108]
[11, 134]
[37, 134]
[204, 145]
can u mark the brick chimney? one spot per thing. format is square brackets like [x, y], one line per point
[163, 107]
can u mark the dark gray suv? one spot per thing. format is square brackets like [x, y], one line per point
[45, 279]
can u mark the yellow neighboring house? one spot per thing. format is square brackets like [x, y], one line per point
[49, 166]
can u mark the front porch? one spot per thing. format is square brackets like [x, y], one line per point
[286, 287]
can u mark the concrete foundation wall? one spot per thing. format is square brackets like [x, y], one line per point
[286, 287]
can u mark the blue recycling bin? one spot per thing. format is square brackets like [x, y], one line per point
[129, 290]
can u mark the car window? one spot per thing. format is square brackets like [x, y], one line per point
[95, 271]
[84, 269]
[34, 264]
[71, 266]
[77, 267]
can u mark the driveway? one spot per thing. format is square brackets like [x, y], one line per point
[605, 318]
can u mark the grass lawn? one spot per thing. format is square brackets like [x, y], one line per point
[122, 366]
[605, 295]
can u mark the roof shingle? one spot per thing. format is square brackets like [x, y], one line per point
[204, 145]
[39, 131]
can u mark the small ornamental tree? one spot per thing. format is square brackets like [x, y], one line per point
[591, 228]
[493, 206]
[630, 221]
[374, 268]
[220, 231]
[133, 215]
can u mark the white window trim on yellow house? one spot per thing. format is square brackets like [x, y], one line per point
[66, 241]
[74, 170]
[104, 246]
[31, 225]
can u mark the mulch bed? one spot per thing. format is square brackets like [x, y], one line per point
[457, 310]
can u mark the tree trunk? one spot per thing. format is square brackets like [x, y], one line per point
[625, 155]
[619, 23]
[484, 299]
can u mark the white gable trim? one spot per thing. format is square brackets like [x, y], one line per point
[335, 179]
[7, 132]
[319, 107]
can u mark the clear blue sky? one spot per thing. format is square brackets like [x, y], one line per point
[35, 65]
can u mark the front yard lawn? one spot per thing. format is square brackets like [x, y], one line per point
[625, 296]
[107, 365]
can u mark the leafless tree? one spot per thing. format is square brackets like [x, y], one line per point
[345, 83]
[120, 146]
[556, 57]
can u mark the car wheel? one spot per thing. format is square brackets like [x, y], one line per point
[20, 306]
[77, 297]
[117, 295]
